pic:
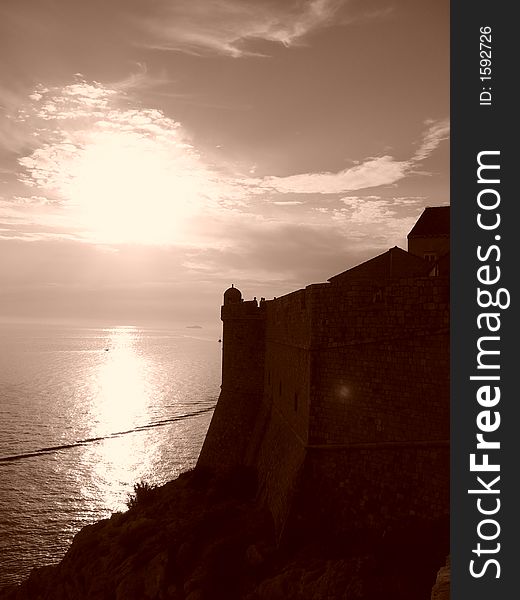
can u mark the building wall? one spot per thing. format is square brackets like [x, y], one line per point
[423, 245]
[380, 370]
[279, 459]
[371, 486]
[338, 395]
[277, 445]
[287, 359]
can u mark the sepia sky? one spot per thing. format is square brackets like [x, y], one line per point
[152, 152]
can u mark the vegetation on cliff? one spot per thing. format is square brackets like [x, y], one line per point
[205, 536]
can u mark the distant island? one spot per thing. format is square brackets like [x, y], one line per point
[194, 327]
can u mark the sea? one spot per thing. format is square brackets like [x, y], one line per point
[85, 414]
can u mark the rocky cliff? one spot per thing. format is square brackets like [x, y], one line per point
[205, 536]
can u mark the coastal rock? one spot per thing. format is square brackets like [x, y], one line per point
[441, 589]
[206, 537]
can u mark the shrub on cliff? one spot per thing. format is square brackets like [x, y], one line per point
[142, 496]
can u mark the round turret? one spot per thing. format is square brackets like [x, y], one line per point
[232, 295]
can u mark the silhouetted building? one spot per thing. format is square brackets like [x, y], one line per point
[430, 236]
[338, 394]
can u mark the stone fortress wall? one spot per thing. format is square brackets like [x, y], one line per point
[338, 395]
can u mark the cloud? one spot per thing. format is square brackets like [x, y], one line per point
[224, 26]
[15, 136]
[372, 172]
[111, 171]
[375, 212]
[437, 132]
[287, 202]
[118, 171]
[309, 245]
[277, 255]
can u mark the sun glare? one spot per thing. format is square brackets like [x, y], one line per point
[113, 172]
[127, 189]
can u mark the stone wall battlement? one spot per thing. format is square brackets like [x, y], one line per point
[337, 386]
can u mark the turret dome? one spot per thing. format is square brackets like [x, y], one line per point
[232, 295]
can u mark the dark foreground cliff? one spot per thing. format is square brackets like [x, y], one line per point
[204, 536]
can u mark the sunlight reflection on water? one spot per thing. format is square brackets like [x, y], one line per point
[121, 399]
[121, 384]
[57, 389]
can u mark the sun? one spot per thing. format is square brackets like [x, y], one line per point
[125, 188]
[114, 172]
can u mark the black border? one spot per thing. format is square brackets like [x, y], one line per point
[475, 128]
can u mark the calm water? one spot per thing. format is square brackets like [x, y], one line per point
[86, 413]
